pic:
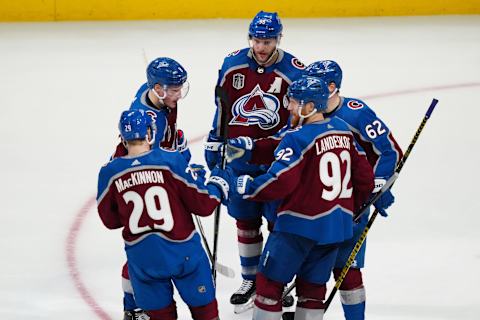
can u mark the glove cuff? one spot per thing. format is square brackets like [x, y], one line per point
[242, 183]
[379, 183]
[248, 143]
[212, 146]
[182, 143]
[221, 183]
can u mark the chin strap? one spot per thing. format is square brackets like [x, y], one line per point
[303, 117]
[158, 96]
[268, 60]
[152, 140]
[333, 93]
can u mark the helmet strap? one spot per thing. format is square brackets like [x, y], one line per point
[151, 140]
[333, 93]
[158, 96]
[303, 117]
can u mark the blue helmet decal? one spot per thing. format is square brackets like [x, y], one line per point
[310, 89]
[328, 70]
[134, 124]
[265, 25]
[165, 71]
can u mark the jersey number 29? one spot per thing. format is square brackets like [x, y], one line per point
[331, 175]
[163, 213]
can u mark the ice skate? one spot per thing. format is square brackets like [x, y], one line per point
[137, 314]
[242, 299]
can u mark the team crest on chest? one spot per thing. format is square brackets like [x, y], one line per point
[256, 108]
[238, 81]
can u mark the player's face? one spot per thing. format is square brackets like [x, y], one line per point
[293, 106]
[263, 48]
[173, 93]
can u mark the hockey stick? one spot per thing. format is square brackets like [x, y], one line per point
[363, 210]
[224, 102]
[363, 236]
[222, 269]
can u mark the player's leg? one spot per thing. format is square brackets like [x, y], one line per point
[155, 296]
[311, 282]
[150, 265]
[282, 257]
[195, 286]
[352, 290]
[250, 243]
[270, 213]
[130, 309]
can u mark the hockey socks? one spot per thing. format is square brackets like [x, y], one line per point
[129, 301]
[352, 294]
[353, 311]
[250, 243]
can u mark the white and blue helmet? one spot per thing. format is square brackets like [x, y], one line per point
[328, 70]
[265, 25]
[165, 72]
[134, 125]
[310, 89]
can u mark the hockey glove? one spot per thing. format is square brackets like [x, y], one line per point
[182, 145]
[213, 151]
[241, 185]
[222, 179]
[198, 171]
[239, 151]
[385, 200]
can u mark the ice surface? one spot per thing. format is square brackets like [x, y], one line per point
[63, 86]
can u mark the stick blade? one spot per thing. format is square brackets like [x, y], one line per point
[224, 270]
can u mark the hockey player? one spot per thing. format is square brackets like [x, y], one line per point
[166, 84]
[150, 193]
[321, 178]
[256, 81]
[382, 152]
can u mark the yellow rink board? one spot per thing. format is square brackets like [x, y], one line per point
[62, 10]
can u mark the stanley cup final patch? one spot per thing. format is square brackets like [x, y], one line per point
[238, 81]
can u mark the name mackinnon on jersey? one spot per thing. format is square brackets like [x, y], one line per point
[139, 177]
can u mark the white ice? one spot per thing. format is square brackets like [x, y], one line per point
[63, 86]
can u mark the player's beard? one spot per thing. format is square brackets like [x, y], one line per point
[266, 59]
[294, 120]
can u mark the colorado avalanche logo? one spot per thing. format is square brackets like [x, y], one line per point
[256, 108]
[354, 104]
[298, 64]
[152, 115]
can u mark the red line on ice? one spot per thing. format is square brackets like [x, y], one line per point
[90, 204]
[70, 249]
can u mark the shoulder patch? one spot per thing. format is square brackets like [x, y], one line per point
[298, 64]
[355, 105]
[152, 115]
[234, 53]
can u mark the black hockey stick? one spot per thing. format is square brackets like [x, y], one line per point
[224, 103]
[363, 236]
[363, 210]
[222, 269]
